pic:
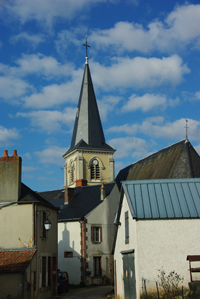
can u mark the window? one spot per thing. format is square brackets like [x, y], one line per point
[45, 271]
[126, 228]
[95, 170]
[96, 234]
[43, 231]
[68, 254]
[97, 265]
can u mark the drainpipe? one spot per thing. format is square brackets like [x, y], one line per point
[81, 252]
[35, 225]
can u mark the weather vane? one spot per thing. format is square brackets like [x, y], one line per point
[86, 45]
[186, 128]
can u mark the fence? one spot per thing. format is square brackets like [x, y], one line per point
[152, 290]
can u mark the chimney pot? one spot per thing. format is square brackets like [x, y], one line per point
[103, 192]
[5, 153]
[14, 153]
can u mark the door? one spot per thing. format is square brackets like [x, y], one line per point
[129, 276]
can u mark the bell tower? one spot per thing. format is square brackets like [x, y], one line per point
[89, 156]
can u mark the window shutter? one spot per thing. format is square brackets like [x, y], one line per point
[100, 234]
[91, 234]
[41, 224]
[126, 228]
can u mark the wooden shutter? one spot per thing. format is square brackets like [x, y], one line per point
[126, 228]
[91, 234]
[100, 234]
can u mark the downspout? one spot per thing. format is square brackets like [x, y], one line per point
[35, 225]
[81, 252]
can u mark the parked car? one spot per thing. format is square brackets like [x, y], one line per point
[63, 282]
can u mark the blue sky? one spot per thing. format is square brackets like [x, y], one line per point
[145, 66]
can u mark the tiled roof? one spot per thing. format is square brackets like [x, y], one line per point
[159, 199]
[179, 160]
[15, 260]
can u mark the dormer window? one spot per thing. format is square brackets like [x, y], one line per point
[95, 170]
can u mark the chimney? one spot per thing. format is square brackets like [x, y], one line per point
[81, 182]
[103, 191]
[69, 194]
[10, 177]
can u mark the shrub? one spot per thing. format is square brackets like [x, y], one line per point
[169, 283]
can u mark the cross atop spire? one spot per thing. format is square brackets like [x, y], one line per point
[186, 128]
[87, 46]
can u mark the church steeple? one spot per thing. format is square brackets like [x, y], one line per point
[89, 156]
[88, 131]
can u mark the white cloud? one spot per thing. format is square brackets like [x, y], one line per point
[12, 87]
[127, 146]
[66, 38]
[148, 102]
[8, 136]
[160, 129]
[197, 95]
[180, 28]
[139, 72]
[33, 39]
[53, 95]
[51, 155]
[50, 121]
[107, 105]
[123, 73]
[46, 12]
[46, 66]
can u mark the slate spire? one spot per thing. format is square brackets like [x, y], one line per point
[88, 131]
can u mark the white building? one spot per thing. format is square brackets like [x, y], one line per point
[158, 226]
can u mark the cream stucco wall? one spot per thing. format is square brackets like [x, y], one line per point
[158, 244]
[16, 222]
[81, 160]
[69, 238]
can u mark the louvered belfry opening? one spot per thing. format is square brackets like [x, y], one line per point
[95, 172]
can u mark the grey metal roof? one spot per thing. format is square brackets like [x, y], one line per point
[88, 131]
[167, 198]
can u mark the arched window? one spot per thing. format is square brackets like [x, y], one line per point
[95, 170]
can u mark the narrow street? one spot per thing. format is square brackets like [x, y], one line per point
[99, 292]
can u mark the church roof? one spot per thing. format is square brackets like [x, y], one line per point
[179, 160]
[88, 131]
[85, 199]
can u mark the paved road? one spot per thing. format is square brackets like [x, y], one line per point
[100, 292]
